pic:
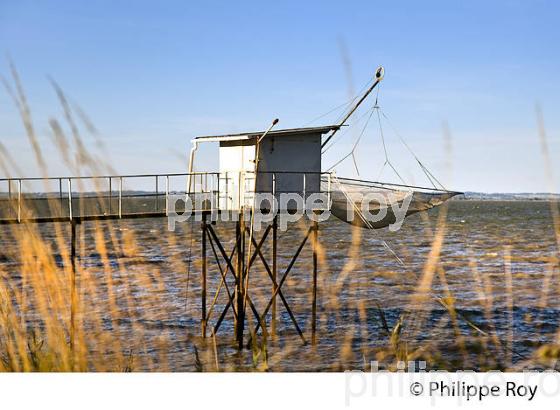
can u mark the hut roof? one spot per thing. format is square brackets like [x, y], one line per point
[249, 135]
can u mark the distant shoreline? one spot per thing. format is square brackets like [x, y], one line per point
[480, 196]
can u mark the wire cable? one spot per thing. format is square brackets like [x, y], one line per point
[345, 105]
[427, 172]
[351, 153]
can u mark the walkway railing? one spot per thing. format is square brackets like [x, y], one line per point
[146, 195]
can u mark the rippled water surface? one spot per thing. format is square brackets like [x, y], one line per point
[363, 291]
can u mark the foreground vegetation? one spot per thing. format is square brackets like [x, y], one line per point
[130, 303]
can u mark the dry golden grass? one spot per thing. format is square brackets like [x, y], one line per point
[101, 323]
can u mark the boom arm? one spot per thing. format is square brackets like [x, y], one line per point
[379, 73]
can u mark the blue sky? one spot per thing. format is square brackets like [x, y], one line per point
[152, 75]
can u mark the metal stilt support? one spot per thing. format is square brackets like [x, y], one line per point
[240, 285]
[204, 227]
[238, 263]
[274, 274]
[314, 244]
[73, 294]
[279, 287]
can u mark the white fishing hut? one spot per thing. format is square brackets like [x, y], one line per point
[288, 161]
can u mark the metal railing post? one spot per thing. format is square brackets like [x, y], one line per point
[19, 200]
[70, 213]
[241, 190]
[166, 195]
[110, 195]
[215, 191]
[274, 185]
[120, 197]
[10, 196]
[304, 187]
[157, 194]
[227, 188]
[329, 191]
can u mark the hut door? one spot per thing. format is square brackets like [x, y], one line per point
[237, 176]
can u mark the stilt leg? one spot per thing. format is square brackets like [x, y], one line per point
[203, 275]
[282, 280]
[314, 303]
[240, 286]
[73, 298]
[274, 272]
